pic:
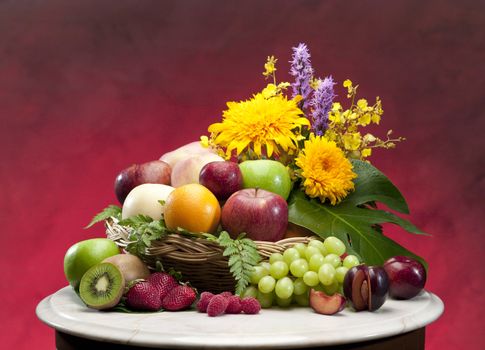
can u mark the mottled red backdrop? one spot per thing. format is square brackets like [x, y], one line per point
[89, 87]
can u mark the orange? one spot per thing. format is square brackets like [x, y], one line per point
[192, 207]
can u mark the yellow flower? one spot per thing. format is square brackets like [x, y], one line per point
[366, 152]
[204, 141]
[273, 124]
[269, 66]
[269, 91]
[351, 141]
[326, 172]
[364, 119]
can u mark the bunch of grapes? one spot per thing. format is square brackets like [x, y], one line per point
[287, 278]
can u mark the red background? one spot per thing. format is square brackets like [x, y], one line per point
[89, 87]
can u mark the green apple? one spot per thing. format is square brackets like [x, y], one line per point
[85, 254]
[269, 175]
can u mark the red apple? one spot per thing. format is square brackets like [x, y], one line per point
[221, 178]
[261, 214]
[154, 172]
[325, 304]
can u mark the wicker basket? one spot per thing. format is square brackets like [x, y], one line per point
[199, 260]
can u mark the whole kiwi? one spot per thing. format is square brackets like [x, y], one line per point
[130, 266]
[102, 286]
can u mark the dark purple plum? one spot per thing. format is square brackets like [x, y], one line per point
[221, 178]
[154, 172]
[366, 287]
[407, 277]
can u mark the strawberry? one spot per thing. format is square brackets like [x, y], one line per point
[179, 298]
[163, 282]
[143, 296]
[217, 305]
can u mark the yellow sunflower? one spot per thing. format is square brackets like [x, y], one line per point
[264, 125]
[326, 172]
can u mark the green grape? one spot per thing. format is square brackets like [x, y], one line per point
[311, 278]
[340, 289]
[351, 261]
[315, 262]
[266, 265]
[290, 254]
[302, 300]
[299, 287]
[331, 289]
[340, 273]
[275, 257]
[284, 288]
[334, 245]
[310, 251]
[266, 284]
[258, 273]
[319, 245]
[298, 267]
[278, 269]
[334, 260]
[318, 287]
[250, 291]
[283, 302]
[326, 274]
[301, 247]
[265, 299]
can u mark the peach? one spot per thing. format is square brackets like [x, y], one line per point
[187, 170]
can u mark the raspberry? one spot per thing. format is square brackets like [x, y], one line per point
[217, 305]
[250, 305]
[203, 302]
[234, 305]
[226, 294]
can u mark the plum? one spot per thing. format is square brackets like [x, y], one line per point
[324, 304]
[366, 287]
[154, 172]
[222, 178]
[407, 277]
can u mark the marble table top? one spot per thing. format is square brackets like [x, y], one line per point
[272, 328]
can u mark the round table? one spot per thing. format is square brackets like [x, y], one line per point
[397, 325]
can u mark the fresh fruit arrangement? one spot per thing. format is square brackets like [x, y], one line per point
[278, 206]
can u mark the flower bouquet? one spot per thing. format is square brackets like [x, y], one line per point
[279, 201]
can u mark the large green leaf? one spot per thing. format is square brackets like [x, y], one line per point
[354, 223]
[373, 186]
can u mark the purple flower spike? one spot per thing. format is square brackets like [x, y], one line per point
[322, 104]
[302, 70]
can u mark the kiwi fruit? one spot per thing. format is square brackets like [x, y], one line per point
[102, 286]
[130, 266]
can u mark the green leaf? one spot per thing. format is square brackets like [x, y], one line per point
[111, 211]
[143, 230]
[373, 186]
[352, 222]
[243, 255]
